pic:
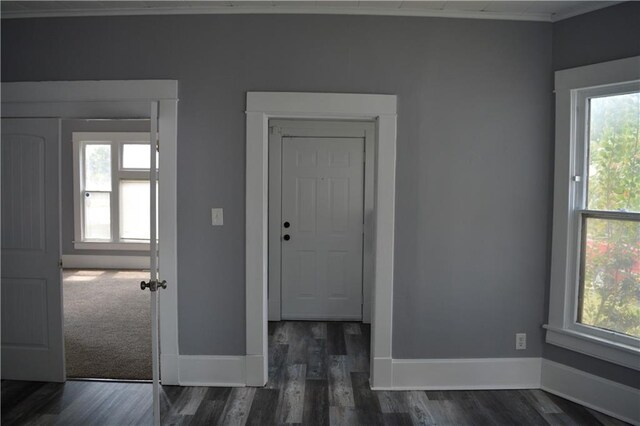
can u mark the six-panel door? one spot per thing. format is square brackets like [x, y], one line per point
[322, 200]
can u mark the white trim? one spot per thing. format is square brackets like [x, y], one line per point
[304, 9]
[261, 106]
[572, 85]
[466, 374]
[207, 370]
[90, 261]
[95, 245]
[594, 346]
[90, 91]
[611, 398]
[122, 99]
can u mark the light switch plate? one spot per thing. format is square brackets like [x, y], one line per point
[216, 217]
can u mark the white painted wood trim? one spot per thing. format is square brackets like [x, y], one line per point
[168, 236]
[119, 99]
[602, 74]
[256, 250]
[110, 246]
[562, 329]
[383, 242]
[261, 106]
[608, 397]
[466, 374]
[325, 105]
[83, 91]
[88, 261]
[206, 370]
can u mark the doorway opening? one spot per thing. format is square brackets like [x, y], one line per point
[105, 203]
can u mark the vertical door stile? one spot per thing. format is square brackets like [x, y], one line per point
[153, 263]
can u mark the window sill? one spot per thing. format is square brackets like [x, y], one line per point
[617, 353]
[110, 246]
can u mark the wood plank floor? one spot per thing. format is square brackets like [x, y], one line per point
[318, 375]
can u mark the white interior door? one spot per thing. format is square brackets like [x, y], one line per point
[32, 333]
[322, 228]
[154, 283]
[153, 268]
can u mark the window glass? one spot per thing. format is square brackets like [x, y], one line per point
[136, 156]
[610, 289]
[134, 210]
[97, 215]
[97, 167]
[614, 153]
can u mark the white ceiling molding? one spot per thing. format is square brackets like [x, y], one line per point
[544, 11]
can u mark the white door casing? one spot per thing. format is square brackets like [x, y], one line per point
[322, 204]
[32, 333]
[263, 106]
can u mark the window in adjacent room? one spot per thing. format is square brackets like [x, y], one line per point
[111, 190]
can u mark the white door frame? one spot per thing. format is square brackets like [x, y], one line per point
[262, 106]
[316, 128]
[123, 99]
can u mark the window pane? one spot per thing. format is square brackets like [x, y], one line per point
[134, 210]
[614, 153]
[97, 216]
[136, 156]
[610, 288]
[97, 167]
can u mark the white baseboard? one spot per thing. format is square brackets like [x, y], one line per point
[606, 396]
[466, 374]
[169, 369]
[89, 261]
[206, 370]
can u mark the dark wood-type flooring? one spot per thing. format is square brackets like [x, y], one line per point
[318, 375]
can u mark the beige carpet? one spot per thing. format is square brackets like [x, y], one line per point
[107, 324]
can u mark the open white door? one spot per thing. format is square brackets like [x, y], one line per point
[32, 334]
[154, 284]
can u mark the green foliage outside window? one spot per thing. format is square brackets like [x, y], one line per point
[610, 294]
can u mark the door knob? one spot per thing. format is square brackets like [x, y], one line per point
[286, 237]
[153, 285]
[287, 224]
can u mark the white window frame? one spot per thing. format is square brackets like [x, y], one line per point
[118, 173]
[573, 88]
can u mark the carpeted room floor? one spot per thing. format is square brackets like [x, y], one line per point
[107, 324]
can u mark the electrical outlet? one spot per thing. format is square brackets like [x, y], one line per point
[521, 341]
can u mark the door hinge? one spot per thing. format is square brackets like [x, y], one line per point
[60, 263]
[157, 142]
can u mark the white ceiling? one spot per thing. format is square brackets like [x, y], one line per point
[549, 11]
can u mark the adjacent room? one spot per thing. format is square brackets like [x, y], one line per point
[320, 212]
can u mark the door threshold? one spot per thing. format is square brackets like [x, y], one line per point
[90, 379]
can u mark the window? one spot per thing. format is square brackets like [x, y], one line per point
[595, 279]
[111, 190]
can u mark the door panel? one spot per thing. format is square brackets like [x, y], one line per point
[32, 334]
[322, 198]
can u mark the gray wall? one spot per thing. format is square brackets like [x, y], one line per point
[474, 150]
[600, 36]
[66, 167]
